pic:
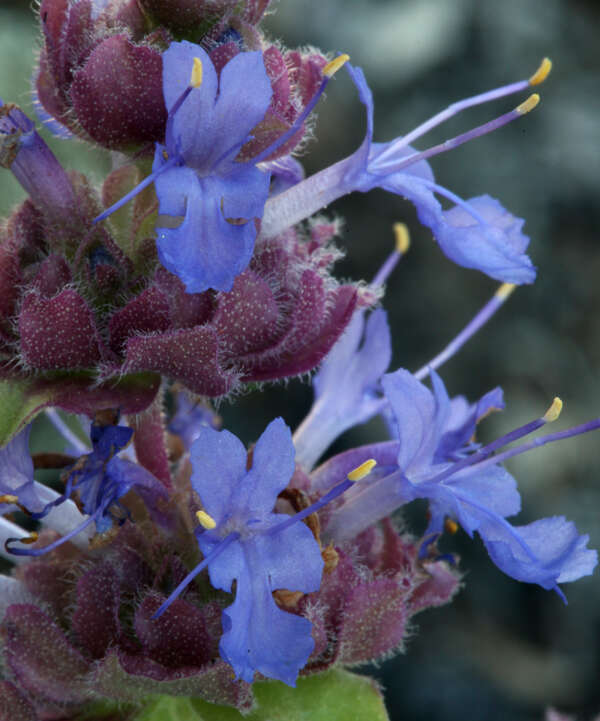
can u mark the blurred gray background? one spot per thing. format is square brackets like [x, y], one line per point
[503, 650]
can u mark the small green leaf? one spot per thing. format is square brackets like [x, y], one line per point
[332, 696]
[105, 711]
[19, 405]
[170, 708]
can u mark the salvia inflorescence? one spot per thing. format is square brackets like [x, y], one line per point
[172, 559]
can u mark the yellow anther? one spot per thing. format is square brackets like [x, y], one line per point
[363, 470]
[542, 72]
[528, 105]
[451, 526]
[205, 520]
[9, 498]
[554, 411]
[196, 79]
[402, 238]
[332, 67]
[505, 290]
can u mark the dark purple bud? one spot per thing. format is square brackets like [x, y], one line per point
[251, 331]
[146, 313]
[100, 72]
[48, 582]
[187, 309]
[177, 639]
[33, 164]
[13, 705]
[41, 658]
[187, 355]
[373, 621]
[117, 94]
[95, 620]
[319, 316]
[58, 333]
[21, 245]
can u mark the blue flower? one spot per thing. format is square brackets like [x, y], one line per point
[477, 491]
[435, 458]
[101, 478]
[478, 233]
[218, 197]
[246, 542]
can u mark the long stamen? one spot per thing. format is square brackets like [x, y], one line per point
[397, 165]
[402, 245]
[60, 514]
[353, 477]
[195, 82]
[328, 72]
[538, 77]
[192, 574]
[537, 442]
[172, 162]
[481, 457]
[479, 320]
[50, 547]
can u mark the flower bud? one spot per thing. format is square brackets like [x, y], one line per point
[97, 81]
[34, 165]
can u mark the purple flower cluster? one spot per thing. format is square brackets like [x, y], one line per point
[172, 555]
